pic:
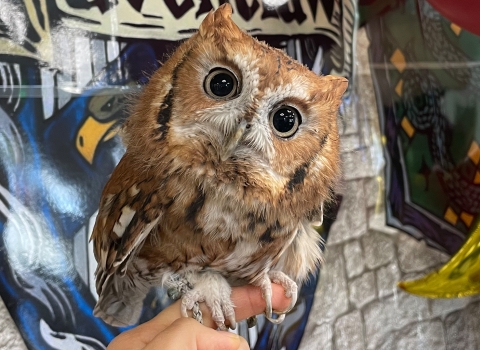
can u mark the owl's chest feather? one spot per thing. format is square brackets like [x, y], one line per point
[215, 231]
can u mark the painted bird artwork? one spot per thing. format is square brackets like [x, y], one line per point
[232, 149]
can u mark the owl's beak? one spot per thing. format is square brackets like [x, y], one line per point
[232, 141]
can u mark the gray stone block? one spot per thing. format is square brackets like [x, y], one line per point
[421, 335]
[414, 255]
[379, 249]
[373, 189]
[442, 307]
[354, 260]
[352, 218]
[460, 334]
[473, 318]
[376, 221]
[331, 298]
[362, 290]
[387, 315]
[349, 143]
[387, 278]
[357, 164]
[348, 121]
[349, 332]
[319, 339]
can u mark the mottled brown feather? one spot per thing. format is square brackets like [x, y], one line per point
[240, 217]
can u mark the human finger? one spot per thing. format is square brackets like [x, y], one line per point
[248, 302]
[186, 333]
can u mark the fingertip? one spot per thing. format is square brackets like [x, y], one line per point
[279, 301]
[249, 301]
[232, 341]
[243, 344]
[208, 338]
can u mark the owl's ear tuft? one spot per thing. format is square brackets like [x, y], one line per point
[224, 11]
[341, 85]
[207, 27]
[220, 22]
[334, 86]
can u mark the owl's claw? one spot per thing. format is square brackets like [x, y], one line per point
[266, 287]
[231, 320]
[252, 321]
[277, 320]
[290, 288]
[222, 311]
[215, 291]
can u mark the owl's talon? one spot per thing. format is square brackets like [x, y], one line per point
[293, 301]
[252, 321]
[232, 322]
[229, 313]
[269, 314]
[290, 287]
[266, 287]
[219, 314]
[291, 291]
[277, 320]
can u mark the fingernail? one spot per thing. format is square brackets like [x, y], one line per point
[236, 341]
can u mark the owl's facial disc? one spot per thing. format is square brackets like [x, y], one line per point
[231, 141]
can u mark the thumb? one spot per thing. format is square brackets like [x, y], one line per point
[186, 333]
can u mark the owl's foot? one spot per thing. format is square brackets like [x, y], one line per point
[191, 302]
[215, 291]
[290, 287]
[291, 291]
[178, 286]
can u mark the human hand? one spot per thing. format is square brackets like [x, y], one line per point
[170, 331]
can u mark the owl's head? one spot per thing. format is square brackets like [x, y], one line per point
[240, 116]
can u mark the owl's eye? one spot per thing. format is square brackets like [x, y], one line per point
[221, 84]
[285, 121]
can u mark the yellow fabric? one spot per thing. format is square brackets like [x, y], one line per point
[460, 277]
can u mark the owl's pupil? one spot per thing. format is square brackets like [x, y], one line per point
[221, 84]
[284, 120]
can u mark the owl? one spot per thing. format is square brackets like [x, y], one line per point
[231, 151]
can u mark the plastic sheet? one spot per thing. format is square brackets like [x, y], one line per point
[426, 74]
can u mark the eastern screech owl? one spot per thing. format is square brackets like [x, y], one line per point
[231, 151]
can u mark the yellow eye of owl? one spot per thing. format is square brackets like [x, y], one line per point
[221, 84]
[285, 121]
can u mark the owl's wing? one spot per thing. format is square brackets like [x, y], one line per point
[127, 215]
